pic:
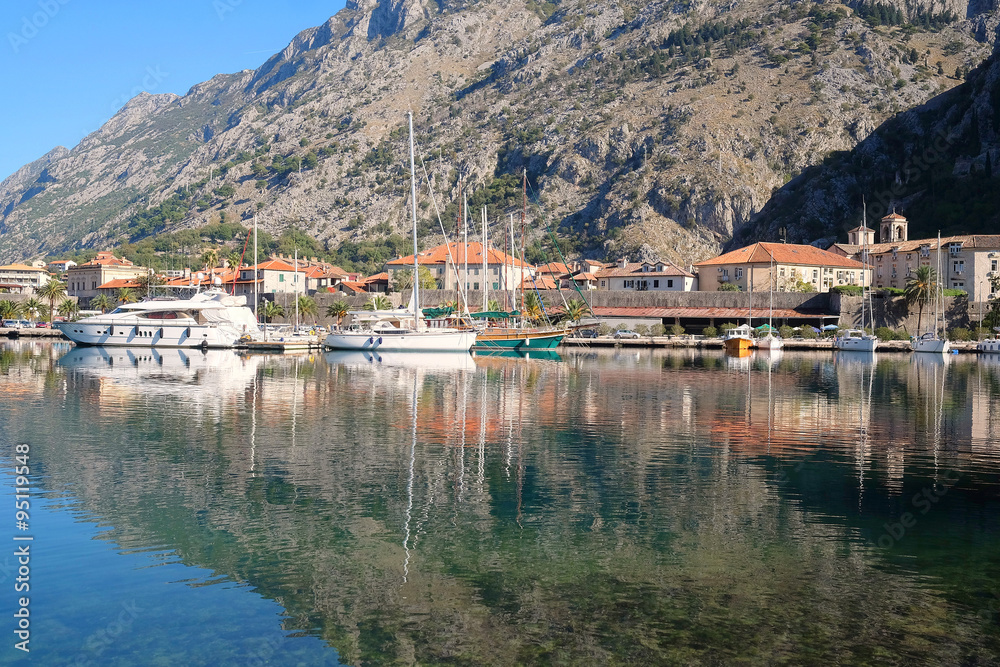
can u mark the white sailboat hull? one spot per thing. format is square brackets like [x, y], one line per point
[855, 341]
[932, 345]
[402, 340]
[770, 342]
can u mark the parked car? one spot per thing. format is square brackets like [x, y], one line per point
[587, 333]
[17, 324]
[42, 325]
[626, 333]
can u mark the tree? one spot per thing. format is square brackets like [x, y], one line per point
[338, 309]
[125, 295]
[32, 307]
[919, 288]
[52, 290]
[233, 258]
[403, 279]
[533, 306]
[148, 283]
[271, 310]
[69, 309]
[100, 302]
[729, 287]
[307, 306]
[378, 302]
[9, 310]
[210, 258]
[576, 310]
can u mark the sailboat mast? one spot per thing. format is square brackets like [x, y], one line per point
[256, 295]
[485, 265]
[513, 285]
[524, 215]
[295, 289]
[938, 293]
[465, 246]
[413, 206]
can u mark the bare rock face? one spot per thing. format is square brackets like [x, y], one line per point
[635, 123]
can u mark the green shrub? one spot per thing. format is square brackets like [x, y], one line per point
[603, 329]
[885, 333]
[786, 331]
[852, 290]
[710, 332]
[959, 334]
[642, 329]
[955, 292]
[657, 330]
[729, 287]
[809, 333]
[726, 326]
[676, 330]
[981, 332]
[893, 291]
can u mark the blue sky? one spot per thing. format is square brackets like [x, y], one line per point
[69, 65]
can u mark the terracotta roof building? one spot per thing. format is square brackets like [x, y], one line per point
[23, 278]
[785, 266]
[657, 276]
[447, 263]
[84, 281]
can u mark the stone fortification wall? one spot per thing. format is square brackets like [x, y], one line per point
[893, 312]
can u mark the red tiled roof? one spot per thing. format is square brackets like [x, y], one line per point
[439, 255]
[782, 253]
[276, 265]
[556, 268]
[378, 277]
[894, 217]
[106, 258]
[981, 241]
[541, 282]
[635, 269]
[354, 288]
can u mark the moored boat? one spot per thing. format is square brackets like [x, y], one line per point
[738, 340]
[211, 319]
[856, 340]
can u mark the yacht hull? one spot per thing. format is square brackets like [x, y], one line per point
[402, 341]
[126, 334]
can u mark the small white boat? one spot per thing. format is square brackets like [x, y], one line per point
[770, 342]
[211, 319]
[989, 346]
[930, 342]
[856, 340]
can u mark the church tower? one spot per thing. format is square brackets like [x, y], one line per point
[893, 228]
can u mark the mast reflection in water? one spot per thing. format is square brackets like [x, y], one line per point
[596, 507]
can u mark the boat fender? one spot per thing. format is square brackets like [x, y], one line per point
[379, 340]
[161, 332]
[111, 330]
[188, 332]
[204, 345]
[370, 340]
[136, 331]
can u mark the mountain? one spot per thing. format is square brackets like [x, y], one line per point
[663, 124]
[936, 164]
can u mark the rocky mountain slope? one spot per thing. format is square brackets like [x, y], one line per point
[664, 123]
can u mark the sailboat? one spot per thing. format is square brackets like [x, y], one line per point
[857, 340]
[931, 341]
[402, 330]
[739, 340]
[770, 341]
[519, 335]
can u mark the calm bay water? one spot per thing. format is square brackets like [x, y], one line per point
[614, 507]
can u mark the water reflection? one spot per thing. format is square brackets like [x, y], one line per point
[627, 506]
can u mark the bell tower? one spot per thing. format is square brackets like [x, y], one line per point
[893, 228]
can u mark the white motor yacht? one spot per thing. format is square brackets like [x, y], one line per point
[211, 319]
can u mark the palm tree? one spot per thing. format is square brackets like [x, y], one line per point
[493, 305]
[532, 306]
[576, 309]
[32, 307]
[69, 309]
[272, 309]
[210, 258]
[307, 306]
[233, 258]
[9, 310]
[919, 288]
[101, 302]
[125, 295]
[52, 291]
[378, 302]
[338, 309]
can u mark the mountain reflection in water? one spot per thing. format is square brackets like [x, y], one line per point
[599, 507]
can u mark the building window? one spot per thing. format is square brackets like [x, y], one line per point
[656, 284]
[815, 275]
[496, 285]
[602, 283]
[670, 282]
[958, 284]
[739, 272]
[725, 274]
[954, 248]
[475, 285]
[958, 266]
[281, 277]
[993, 265]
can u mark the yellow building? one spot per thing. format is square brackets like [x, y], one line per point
[786, 267]
[22, 278]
